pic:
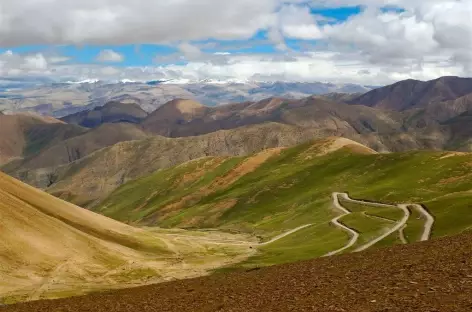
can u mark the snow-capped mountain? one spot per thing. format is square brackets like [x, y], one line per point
[62, 98]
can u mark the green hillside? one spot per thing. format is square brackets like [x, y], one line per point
[279, 190]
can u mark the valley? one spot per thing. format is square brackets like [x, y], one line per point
[190, 190]
[293, 188]
[52, 249]
[236, 156]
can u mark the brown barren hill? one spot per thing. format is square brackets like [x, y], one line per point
[18, 130]
[429, 276]
[176, 112]
[46, 243]
[94, 177]
[380, 129]
[75, 148]
[411, 93]
[111, 112]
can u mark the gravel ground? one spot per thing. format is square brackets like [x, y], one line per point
[422, 277]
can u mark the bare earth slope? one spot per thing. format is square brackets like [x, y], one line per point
[429, 276]
[40, 234]
[95, 176]
[23, 134]
[409, 94]
[380, 129]
[109, 113]
[69, 150]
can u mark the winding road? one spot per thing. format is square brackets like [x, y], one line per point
[335, 221]
[428, 226]
[399, 226]
[242, 243]
[284, 235]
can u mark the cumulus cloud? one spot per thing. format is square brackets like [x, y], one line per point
[297, 22]
[129, 22]
[190, 51]
[328, 66]
[12, 64]
[110, 56]
[419, 39]
[433, 31]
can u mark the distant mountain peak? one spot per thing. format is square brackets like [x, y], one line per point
[184, 106]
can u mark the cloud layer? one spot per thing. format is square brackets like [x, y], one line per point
[389, 40]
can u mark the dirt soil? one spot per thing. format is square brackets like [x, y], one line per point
[430, 276]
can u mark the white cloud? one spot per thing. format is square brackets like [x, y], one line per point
[425, 30]
[58, 59]
[427, 39]
[128, 22]
[190, 51]
[315, 66]
[110, 56]
[297, 22]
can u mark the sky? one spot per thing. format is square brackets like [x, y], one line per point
[370, 42]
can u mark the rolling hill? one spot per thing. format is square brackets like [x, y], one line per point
[50, 249]
[284, 197]
[410, 93]
[69, 150]
[93, 177]
[278, 190]
[85, 178]
[460, 125]
[42, 235]
[281, 122]
[111, 112]
[24, 134]
[180, 118]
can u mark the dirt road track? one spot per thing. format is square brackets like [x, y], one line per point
[354, 235]
[428, 225]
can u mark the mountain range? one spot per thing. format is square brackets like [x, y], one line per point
[187, 189]
[57, 154]
[61, 99]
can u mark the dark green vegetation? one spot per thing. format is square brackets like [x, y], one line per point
[293, 188]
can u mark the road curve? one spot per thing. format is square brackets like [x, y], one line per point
[354, 235]
[428, 225]
[429, 218]
[335, 221]
[401, 234]
[284, 234]
[400, 224]
[243, 243]
[367, 203]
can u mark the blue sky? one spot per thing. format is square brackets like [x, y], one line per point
[145, 54]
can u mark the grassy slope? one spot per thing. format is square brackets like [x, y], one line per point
[294, 188]
[50, 248]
